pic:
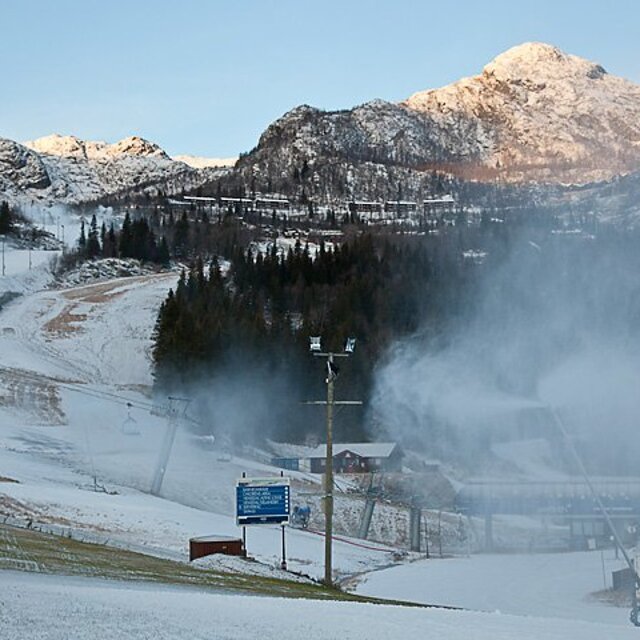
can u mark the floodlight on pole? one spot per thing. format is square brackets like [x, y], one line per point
[330, 402]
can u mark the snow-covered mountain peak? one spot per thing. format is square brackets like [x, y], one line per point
[73, 147]
[60, 168]
[539, 61]
[137, 146]
[199, 162]
[58, 145]
[541, 114]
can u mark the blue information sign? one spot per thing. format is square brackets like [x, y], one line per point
[263, 501]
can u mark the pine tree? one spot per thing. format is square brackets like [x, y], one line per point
[163, 256]
[93, 244]
[181, 236]
[110, 246]
[6, 222]
[125, 244]
[82, 240]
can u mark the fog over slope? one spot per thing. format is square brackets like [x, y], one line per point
[554, 323]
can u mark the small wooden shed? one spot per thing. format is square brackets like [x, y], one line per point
[209, 545]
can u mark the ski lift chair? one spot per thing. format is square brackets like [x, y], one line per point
[130, 425]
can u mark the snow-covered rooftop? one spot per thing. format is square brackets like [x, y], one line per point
[363, 449]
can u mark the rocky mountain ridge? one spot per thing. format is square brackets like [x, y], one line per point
[542, 115]
[535, 115]
[66, 169]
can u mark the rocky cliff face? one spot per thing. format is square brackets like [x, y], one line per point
[20, 168]
[376, 150]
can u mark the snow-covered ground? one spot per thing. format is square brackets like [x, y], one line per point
[545, 585]
[70, 359]
[18, 277]
[85, 608]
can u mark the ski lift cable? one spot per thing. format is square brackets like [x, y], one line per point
[596, 496]
[95, 393]
[108, 396]
[81, 389]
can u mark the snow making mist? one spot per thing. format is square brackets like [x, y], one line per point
[240, 404]
[64, 222]
[551, 319]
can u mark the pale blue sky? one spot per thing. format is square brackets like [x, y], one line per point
[206, 77]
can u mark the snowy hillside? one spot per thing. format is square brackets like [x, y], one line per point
[76, 460]
[73, 454]
[107, 609]
[541, 114]
[198, 162]
[65, 169]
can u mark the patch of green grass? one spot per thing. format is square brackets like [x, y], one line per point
[28, 550]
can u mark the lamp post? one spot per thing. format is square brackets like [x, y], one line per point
[332, 373]
[3, 239]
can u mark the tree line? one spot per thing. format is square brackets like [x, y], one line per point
[260, 315]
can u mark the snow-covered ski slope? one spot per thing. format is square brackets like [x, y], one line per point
[69, 360]
[547, 584]
[98, 609]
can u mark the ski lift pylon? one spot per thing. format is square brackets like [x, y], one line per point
[130, 425]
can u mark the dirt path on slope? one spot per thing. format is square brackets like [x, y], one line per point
[68, 321]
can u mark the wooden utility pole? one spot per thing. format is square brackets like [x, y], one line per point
[328, 478]
[330, 402]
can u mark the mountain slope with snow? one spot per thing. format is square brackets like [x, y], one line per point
[21, 169]
[77, 455]
[534, 115]
[108, 609]
[66, 169]
[198, 162]
[543, 114]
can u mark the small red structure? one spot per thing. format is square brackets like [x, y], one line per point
[208, 545]
[358, 457]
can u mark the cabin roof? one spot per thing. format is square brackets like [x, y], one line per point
[363, 449]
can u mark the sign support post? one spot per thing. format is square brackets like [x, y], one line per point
[283, 564]
[244, 529]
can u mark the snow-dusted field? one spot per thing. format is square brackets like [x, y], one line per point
[546, 585]
[83, 608]
[54, 439]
